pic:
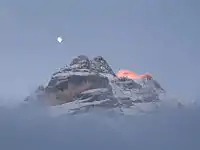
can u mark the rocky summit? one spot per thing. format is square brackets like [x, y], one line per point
[86, 84]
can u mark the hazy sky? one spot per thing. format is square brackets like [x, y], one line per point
[157, 36]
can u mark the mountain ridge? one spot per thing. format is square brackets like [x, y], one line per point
[93, 83]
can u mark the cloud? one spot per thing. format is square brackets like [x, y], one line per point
[31, 127]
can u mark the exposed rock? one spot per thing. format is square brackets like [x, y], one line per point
[94, 84]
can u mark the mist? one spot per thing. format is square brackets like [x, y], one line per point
[160, 37]
[34, 127]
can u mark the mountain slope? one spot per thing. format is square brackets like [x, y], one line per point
[86, 84]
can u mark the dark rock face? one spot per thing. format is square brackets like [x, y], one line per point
[99, 65]
[81, 62]
[94, 84]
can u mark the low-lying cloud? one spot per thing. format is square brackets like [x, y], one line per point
[33, 128]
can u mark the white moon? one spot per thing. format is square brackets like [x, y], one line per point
[59, 39]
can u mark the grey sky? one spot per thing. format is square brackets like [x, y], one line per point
[160, 37]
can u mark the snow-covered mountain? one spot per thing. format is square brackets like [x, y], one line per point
[86, 84]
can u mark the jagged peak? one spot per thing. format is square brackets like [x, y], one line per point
[100, 64]
[97, 65]
[83, 76]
